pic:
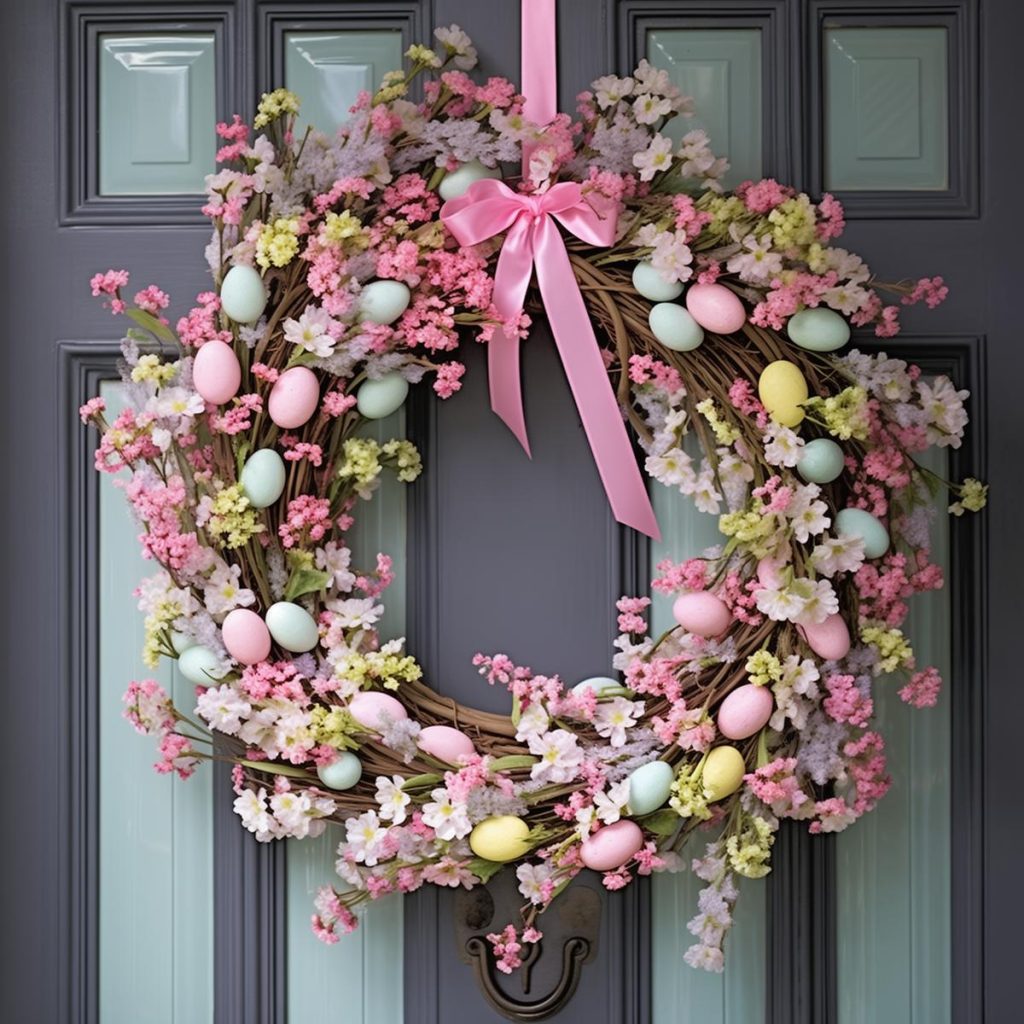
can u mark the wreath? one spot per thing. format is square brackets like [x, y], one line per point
[345, 267]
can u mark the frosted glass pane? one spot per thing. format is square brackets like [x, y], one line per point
[364, 968]
[721, 70]
[682, 995]
[155, 831]
[893, 866]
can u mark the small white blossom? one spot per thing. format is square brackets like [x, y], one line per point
[613, 717]
[392, 798]
[447, 817]
[560, 756]
[363, 836]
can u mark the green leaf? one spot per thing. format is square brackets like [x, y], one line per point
[485, 870]
[277, 769]
[418, 781]
[516, 710]
[151, 324]
[305, 581]
[501, 764]
[662, 823]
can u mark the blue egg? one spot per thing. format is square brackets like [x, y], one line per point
[292, 627]
[181, 642]
[201, 666]
[342, 773]
[821, 461]
[651, 285]
[377, 399]
[649, 787]
[383, 302]
[818, 330]
[599, 684]
[855, 522]
[243, 296]
[674, 327]
[263, 477]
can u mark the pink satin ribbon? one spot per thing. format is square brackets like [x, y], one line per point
[487, 209]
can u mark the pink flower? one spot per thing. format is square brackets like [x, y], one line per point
[307, 518]
[845, 702]
[92, 408]
[110, 283]
[449, 379]
[152, 300]
[923, 689]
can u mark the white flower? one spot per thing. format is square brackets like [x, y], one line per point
[293, 812]
[392, 798]
[704, 494]
[559, 754]
[838, 555]
[819, 600]
[698, 160]
[532, 879]
[224, 708]
[656, 157]
[674, 468]
[780, 604]
[445, 816]
[734, 474]
[806, 514]
[312, 331]
[782, 445]
[756, 263]
[172, 403]
[610, 805]
[672, 257]
[613, 717]
[610, 89]
[650, 108]
[532, 722]
[457, 44]
[652, 79]
[585, 817]
[221, 591]
[251, 807]
[335, 559]
[363, 836]
[794, 693]
[847, 298]
[356, 612]
[944, 407]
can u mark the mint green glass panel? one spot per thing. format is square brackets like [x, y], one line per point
[155, 831]
[886, 109]
[893, 866]
[329, 69]
[721, 70]
[363, 970]
[682, 994]
[157, 107]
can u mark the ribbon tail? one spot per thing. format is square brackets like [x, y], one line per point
[588, 380]
[506, 391]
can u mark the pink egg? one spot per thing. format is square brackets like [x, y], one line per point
[610, 847]
[702, 613]
[216, 372]
[745, 711]
[445, 743]
[246, 636]
[372, 710]
[768, 572]
[829, 639]
[294, 397]
[716, 308]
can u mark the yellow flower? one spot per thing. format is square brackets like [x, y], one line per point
[749, 849]
[335, 727]
[404, 458]
[893, 650]
[424, 55]
[973, 497]
[361, 464]
[278, 242]
[688, 800]
[763, 668]
[793, 223]
[158, 625]
[340, 226]
[725, 433]
[231, 518]
[149, 368]
[751, 527]
[274, 104]
[845, 415]
[383, 668]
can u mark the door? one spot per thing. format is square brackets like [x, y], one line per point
[128, 901]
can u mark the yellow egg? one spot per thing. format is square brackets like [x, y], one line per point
[781, 389]
[723, 773]
[500, 839]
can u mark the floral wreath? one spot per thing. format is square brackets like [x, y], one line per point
[341, 280]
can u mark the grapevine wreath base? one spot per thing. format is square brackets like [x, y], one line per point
[344, 270]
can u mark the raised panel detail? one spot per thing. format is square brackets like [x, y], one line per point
[886, 109]
[157, 107]
[329, 69]
[721, 70]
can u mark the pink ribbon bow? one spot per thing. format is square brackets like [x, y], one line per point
[490, 207]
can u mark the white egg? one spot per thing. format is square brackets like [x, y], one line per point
[651, 285]
[201, 666]
[376, 399]
[263, 477]
[383, 302]
[243, 296]
[455, 183]
[599, 684]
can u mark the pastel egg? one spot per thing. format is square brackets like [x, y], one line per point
[723, 773]
[445, 743]
[702, 613]
[599, 684]
[649, 787]
[376, 399]
[651, 285]
[243, 296]
[455, 183]
[821, 461]
[818, 330]
[769, 571]
[829, 639]
[373, 710]
[502, 838]
[716, 308]
[855, 522]
[263, 477]
[782, 389]
[674, 327]
[294, 397]
[342, 773]
[745, 711]
[201, 666]
[246, 636]
[181, 642]
[610, 847]
[216, 372]
[383, 302]
[292, 627]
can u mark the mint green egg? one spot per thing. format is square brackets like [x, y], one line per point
[674, 327]
[343, 773]
[649, 787]
[818, 330]
[456, 183]
[599, 684]
[292, 627]
[181, 642]
[855, 522]
[376, 399]
[383, 302]
[821, 461]
[651, 285]
[201, 666]
[243, 296]
[263, 477]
